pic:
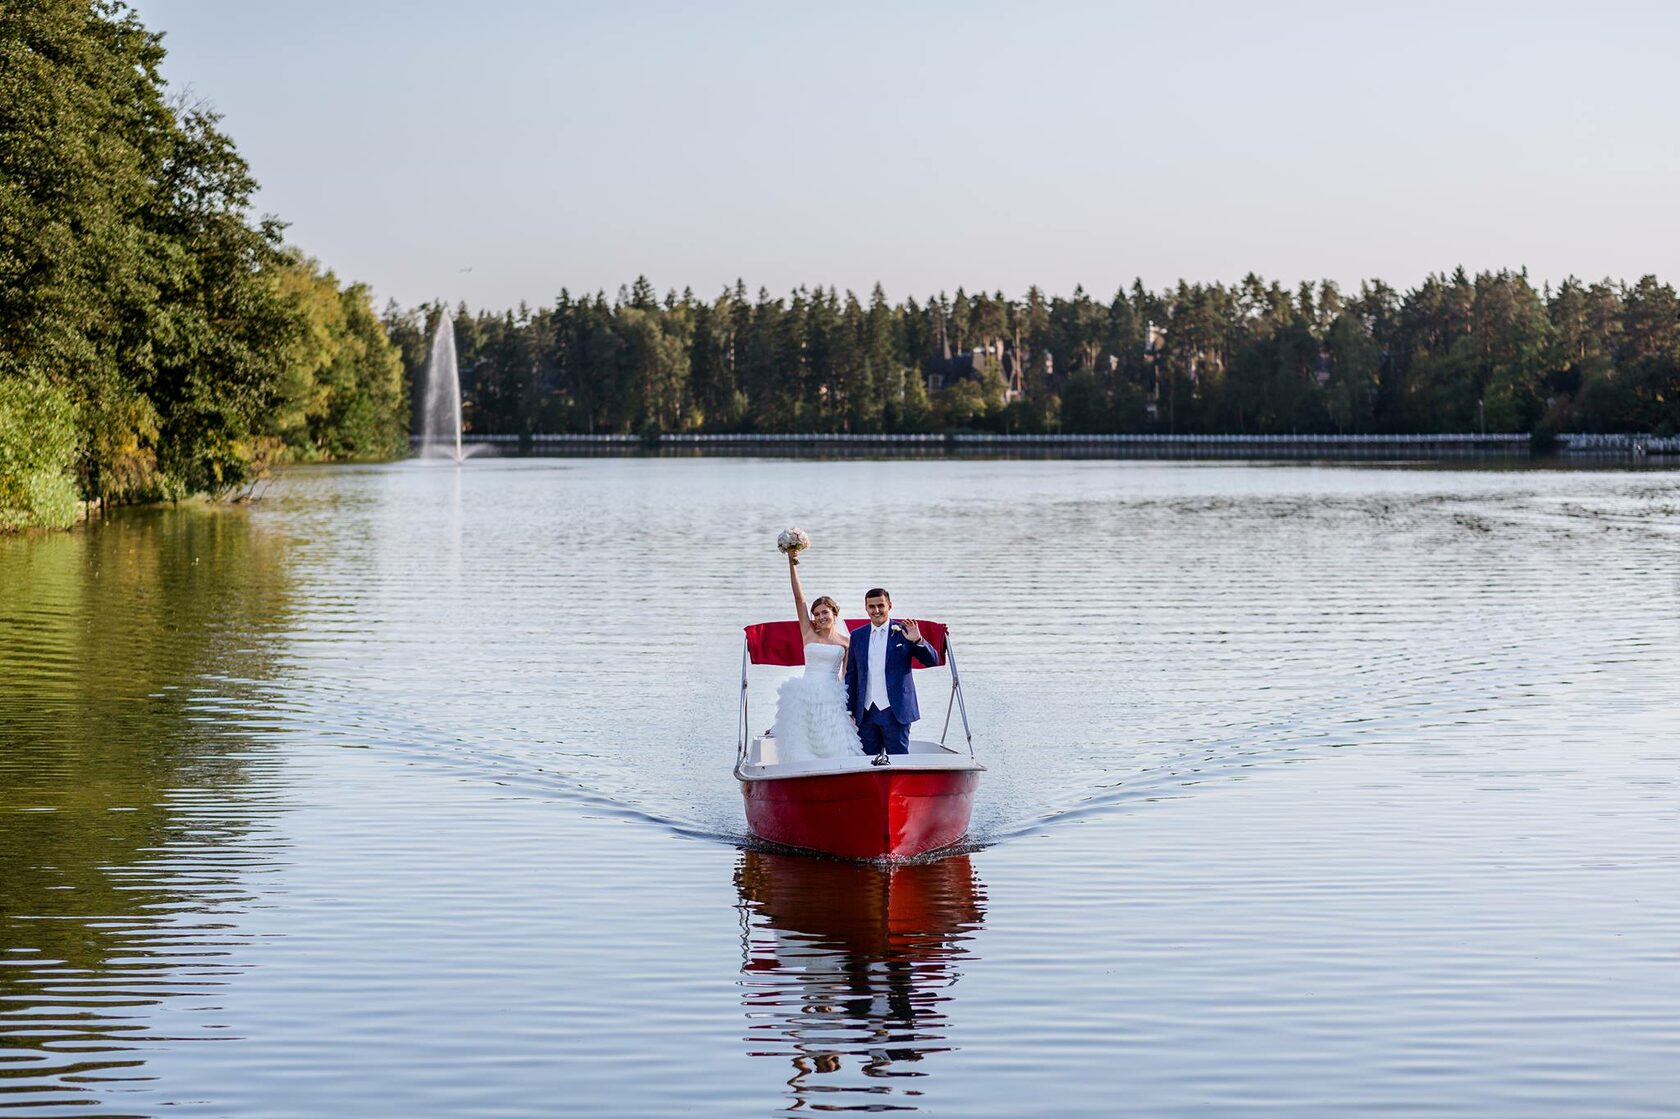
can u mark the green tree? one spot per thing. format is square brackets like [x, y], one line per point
[132, 277]
[1651, 355]
[1355, 367]
[37, 455]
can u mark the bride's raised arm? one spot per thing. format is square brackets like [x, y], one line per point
[799, 599]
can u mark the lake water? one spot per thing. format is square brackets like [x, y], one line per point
[1313, 791]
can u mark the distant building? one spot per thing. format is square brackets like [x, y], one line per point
[946, 370]
[1154, 340]
[1154, 352]
[970, 365]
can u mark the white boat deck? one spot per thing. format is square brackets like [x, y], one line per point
[763, 764]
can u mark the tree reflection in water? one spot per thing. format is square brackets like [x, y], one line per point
[847, 967]
[133, 802]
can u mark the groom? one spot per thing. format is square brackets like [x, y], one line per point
[879, 690]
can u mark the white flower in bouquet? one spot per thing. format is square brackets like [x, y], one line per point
[792, 541]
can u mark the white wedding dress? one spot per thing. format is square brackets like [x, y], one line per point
[811, 716]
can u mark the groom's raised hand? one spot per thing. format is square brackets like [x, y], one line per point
[912, 632]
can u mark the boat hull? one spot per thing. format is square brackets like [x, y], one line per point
[881, 813]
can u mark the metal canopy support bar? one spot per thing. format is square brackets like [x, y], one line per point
[741, 734]
[956, 694]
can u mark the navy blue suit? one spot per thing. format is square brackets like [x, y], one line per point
[887, 730]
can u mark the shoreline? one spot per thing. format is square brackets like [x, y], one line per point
[1450, 445]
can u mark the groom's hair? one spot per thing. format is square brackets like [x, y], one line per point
[876, 592]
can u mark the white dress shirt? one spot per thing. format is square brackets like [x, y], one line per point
[876, 695]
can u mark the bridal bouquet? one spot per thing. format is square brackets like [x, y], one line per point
[793, 541]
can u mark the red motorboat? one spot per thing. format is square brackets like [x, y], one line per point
[849, 806]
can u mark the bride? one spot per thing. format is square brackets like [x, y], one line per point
[811, 716]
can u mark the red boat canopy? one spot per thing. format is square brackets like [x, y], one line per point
[778, 642]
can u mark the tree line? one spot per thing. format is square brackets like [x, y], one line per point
[155, 339]
[1458, 353]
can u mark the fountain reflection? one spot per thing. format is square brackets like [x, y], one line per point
[846, 970]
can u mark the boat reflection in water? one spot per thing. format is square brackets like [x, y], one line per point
[847, 967]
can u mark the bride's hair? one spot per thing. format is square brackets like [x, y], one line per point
[828, 602]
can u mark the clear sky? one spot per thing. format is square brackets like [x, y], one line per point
[930, 146]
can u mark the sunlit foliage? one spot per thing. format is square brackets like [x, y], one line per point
[138, 288]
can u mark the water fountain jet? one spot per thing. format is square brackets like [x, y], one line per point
[440, 419]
